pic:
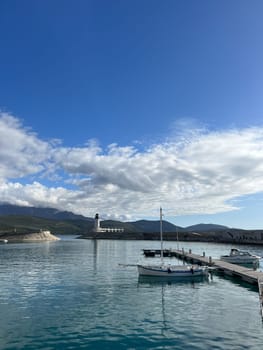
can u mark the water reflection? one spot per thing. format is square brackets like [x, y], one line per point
[179, 291]
[95, 254]
[166, 281]
[51, 298]
[238, 282]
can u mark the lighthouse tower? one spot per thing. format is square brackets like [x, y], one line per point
[97, 227]
[97, 223]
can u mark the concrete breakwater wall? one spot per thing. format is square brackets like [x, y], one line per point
[30, 237]
[226, 236]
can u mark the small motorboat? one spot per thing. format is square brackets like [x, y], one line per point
[237, 256]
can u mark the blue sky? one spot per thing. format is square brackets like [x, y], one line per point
[119, 107]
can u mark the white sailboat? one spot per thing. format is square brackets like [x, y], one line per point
[171, 271]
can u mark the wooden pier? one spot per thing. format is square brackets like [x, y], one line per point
[246, 274]
[260, 291]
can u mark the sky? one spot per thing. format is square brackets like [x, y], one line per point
[120, 107]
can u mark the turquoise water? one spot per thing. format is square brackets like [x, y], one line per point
[73, 294]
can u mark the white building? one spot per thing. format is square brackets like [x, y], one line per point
[97, 227]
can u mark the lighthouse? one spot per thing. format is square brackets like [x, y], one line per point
[97, 223]
[99, 229]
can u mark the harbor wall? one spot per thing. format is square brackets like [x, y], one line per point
[227, 236]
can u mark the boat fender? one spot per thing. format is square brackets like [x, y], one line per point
[169, 270]
[192, 269]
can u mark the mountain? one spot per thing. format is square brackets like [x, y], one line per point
[205, 228]
[54, 214]
[154, 226]
[18, 217]
[28, 224]
[47, 213]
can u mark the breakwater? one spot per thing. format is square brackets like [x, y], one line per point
[232, 236]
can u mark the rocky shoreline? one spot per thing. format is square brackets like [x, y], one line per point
[30, 237]
[232, 236]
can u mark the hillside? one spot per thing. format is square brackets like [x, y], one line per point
[27, 224]
[206, 228]
[30, 219]
[19, 225]
[154, 226]
[47, 213]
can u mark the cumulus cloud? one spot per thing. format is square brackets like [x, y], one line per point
[198, 172]
[21, 151]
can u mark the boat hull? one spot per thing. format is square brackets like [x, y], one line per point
[172, 272]
[237, 260]
[241, 257]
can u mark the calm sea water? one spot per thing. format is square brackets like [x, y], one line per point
[73, 294]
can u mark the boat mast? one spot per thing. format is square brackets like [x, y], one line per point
[161, 233]
[177, 238]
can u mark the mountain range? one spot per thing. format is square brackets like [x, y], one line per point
[21, 218]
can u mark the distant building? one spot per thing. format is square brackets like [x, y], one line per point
[98, 229]
[97, 223]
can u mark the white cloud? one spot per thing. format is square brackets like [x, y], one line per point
[198, 172]
[21, 152]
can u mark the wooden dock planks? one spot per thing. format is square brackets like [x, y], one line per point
[260, 292]
[246, 274]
